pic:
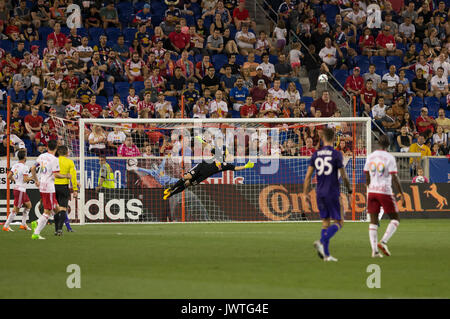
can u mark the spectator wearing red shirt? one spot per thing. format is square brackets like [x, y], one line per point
[386, 43]
[248, 109]
[201, 68]
[58, 38]
[424, 122]
[145, 108]
[241, 15]
[33, 123]
[324, 104]
[367, 43]
[71, 79]
[355, 82]
[308, 149]
[94, 109]
[128, 149]
[259, 92]
[179, 40]
[368, 96]
[44, 135]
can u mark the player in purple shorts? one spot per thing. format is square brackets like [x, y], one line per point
[328, 163]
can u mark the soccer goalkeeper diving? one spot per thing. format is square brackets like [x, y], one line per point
[205, 169]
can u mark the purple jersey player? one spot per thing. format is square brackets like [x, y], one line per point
[327, 162]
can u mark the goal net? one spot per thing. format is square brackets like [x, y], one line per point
[139, 158]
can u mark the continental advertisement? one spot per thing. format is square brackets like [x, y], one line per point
[235, 202]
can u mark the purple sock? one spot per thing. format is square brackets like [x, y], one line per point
[329, 233]
[322, 235]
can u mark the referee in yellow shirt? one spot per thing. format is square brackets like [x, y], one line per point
[66, 166]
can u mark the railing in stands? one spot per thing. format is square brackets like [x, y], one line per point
[259, 4]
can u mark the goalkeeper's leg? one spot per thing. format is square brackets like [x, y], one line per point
[178, 187]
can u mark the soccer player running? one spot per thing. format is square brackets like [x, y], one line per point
[381, 170]
[327, 162]
[66, 166]
[48, 170]
[205, 169]
[19, 174]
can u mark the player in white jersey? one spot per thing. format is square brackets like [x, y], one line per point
[19, 174]
[48, 169]
[381, 170]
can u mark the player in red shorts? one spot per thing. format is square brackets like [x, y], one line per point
[380, 170]
[48, 166]
[19, 175]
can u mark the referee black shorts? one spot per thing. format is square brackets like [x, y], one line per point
[62, 195]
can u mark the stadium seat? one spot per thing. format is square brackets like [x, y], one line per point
[381, 71]
[308, 101]
[173, 100]
[129, 34]
[410, 75]
[44, 32]
[102, 101]
[95, 33]
[258, 58]
[417, 103]
[113, 34]
[138, 86]
[138, 6]
[219, 60]
[198, 57]
[341, 77]
[443, 102]
[361, 61]
[414, 114]
[235, 114]
[240, 59]
[6, 45]
[65, 30]
[395, 60]
[109, 89]
[121, 85]
[299, 87]
[273, 59]
[432, 103]
[330, 11]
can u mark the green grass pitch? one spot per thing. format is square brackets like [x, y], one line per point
[257, 260]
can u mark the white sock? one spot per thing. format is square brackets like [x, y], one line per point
[42, 222]
[25, 216]
[390, 230]
[10, 219]
[373, 237]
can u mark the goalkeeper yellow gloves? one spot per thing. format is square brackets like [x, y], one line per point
[200, 139]
[249, 164]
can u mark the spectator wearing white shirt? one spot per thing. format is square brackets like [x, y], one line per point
[218, 108]
[278, 94]
[245, 40]
[441, 61]
[270, 108]
[163, 108]
[85, 50]
[329, 54]
[439, 83]
[115, 139]
[357, 17]
[391, 78]
[379, 111]
[267, 67]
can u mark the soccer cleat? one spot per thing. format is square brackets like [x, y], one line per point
[319, 247]
[377, 255]
[330, 258]
[167, 190]
[34, 236]
[33, 225]
[70, 230]
[384, 248]
[58, 233]
[7, 229]
[25, 227]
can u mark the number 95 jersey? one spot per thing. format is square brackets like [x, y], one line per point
[327, 162]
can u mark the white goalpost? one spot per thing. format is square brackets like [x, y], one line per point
[162, 150]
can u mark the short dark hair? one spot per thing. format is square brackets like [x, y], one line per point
[328, 134]
[21, 154]
[384, 141]
[52, 144]
[63, 150]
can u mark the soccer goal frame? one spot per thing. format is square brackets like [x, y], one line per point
[231, 121]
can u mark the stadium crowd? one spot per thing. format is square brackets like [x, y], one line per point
[127, 59]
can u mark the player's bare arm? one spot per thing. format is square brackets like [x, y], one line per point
[34, 175]
[10, 177]
[58, 175]
[398, 185]
[307, 182]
